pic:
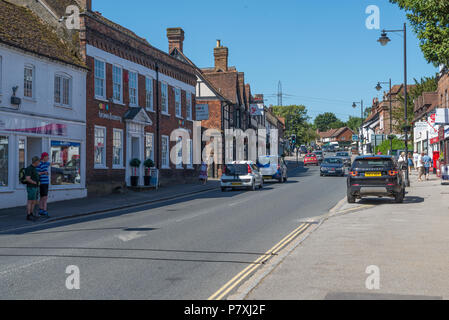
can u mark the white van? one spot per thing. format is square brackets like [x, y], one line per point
[273, 168]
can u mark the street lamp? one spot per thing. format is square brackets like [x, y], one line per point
[390, 136]
[384, 40]
[354, 105]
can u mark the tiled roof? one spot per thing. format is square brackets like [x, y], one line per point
[225, 82]
[333, 132]
[59, 6]
[20, 28]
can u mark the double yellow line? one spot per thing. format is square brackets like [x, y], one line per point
[231, 284]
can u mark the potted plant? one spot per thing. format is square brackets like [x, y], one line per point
[148, 164]
[135, 164]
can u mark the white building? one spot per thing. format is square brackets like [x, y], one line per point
[42, 109]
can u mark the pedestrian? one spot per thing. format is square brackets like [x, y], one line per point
[411, 165]
[44, 179]
[32, 182]
[402, 161]
[420, 167]
[427, 163]
[203, 172]
[415, 159]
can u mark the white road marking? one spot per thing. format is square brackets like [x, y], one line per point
[129, 236]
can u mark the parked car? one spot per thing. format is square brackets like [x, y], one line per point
[241, 175]
[332, 166]
[319, 155]
[311, 159]
[375, 176]
[345, 156]
[272, 168]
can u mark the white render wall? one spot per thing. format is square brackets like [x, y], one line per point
[40, 108]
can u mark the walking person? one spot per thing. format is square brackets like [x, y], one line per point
[427, 163]
[415, 159]
[203, 172]
[411, 165]
[402, 161]
[32, 182]
[44, 179]
[420, 167]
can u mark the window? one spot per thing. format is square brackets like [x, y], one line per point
[100, 79]
[117, 148]
[0, 75]
[22, 153]
[178, 108]
[189, 105]
[4, 155]
[164, 98]
[117, 83]
[190, 146]
[133, 88]
[165, 152]
[65, 163]
[28, 82]
[62, 90]
[149, 94]
[179, 153]
[100, 147]
[149, 146]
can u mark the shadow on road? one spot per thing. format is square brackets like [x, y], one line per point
[380, 201]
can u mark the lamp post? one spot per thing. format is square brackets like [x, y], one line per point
[354, 105]
[383, 40]
[390, 136]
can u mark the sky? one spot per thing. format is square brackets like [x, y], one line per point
[321, 51]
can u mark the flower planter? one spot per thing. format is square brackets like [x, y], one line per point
[134, 181]
[147, 180]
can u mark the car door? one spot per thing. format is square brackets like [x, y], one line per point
[257, 174]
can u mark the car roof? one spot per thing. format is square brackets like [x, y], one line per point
[242, 162]
[374, 156]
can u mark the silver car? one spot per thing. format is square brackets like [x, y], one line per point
[241, 175]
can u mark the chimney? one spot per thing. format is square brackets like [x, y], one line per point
[85, 5]
[221, 57]
[175, 39]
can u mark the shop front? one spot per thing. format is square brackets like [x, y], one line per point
[24, 136]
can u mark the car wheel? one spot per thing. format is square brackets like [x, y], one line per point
[261, 185]
[351, 198]
[253, 186]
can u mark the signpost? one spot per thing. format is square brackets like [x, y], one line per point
[154, 177]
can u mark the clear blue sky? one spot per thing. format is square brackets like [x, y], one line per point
[321, 50]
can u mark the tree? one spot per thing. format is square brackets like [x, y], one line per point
[384, 147]
[430, 21]
[295, 121]
[323, 122]
[354, 123]
[426, 84]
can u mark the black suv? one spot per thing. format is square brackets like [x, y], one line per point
[375, 176]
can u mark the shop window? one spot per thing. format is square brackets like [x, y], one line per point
[4, 165]
[22, 153]
[117, 148]
[65, 163]
[100, 147]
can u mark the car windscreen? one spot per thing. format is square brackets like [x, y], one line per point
[267, 161]
[373, 163]
[236, 169]
[342, 154]
[332, 161]
[310, 155]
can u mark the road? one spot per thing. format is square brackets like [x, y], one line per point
[186, 248]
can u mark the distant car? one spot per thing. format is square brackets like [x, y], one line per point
[272, 168]
[332, 166]
[311, 159]
[303, 149]
[241, 175]
[319, 155]
[345, 156]
[375, 176]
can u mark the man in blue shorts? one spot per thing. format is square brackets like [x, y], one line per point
[44, 177]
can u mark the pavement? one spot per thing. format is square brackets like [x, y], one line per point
[374, 249]
[15, 217]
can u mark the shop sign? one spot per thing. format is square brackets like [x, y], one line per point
[109, 116]
[202, 112]
[34, 126]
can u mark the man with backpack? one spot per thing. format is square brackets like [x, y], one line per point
[32, 182]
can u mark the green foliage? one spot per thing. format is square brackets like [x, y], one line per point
[295, 121]
[397, 145]
[148, 163]
[135, 163]
[430, 21]
[354, 123]
[326, 121]
[426, 84]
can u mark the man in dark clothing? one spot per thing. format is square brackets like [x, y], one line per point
[32, 180]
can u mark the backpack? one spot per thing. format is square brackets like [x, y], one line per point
[22, 176]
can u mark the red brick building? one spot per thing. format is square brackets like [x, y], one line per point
[136, 96]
